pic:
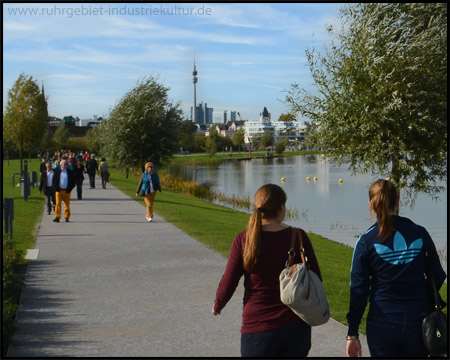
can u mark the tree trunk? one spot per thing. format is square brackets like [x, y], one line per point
[126, 172]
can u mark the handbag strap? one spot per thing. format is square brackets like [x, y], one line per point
[437, 297]
[291, 251]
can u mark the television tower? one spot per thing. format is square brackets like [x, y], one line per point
[194, 73]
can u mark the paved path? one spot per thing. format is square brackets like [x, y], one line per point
[110, 284]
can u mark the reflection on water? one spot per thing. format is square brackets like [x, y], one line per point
[338, 211]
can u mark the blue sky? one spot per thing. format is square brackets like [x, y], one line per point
[89, 55]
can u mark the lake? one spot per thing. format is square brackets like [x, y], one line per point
[337, 211]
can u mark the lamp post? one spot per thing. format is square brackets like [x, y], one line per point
[194, 73]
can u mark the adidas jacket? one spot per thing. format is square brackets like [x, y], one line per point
[391, 274]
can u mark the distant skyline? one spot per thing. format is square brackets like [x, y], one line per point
[88, 56]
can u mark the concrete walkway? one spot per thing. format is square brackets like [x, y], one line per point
[110, 284]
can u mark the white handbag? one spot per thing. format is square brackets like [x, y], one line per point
[302, 290]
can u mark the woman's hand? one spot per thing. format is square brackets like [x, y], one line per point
[214, 312]
[137, 194]
[353, 348]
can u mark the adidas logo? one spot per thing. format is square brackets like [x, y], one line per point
[401, 253]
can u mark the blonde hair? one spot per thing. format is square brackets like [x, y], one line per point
[383, 199]
[268, 201]
[147, 165]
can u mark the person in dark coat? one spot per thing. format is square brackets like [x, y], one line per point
[48, 185]
[64, 183]
[92, 169]
[79, 177]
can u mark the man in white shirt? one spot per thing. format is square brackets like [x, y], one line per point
[47, 184]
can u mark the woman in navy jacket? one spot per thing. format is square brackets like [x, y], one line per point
[390, 261]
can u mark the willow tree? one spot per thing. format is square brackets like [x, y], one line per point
[380, 97]
[143, 126]
[26, 116]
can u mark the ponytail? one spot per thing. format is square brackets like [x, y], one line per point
[269, 199]
[383, 198]
[252, 241]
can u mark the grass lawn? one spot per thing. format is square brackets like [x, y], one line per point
[216, 226]
[26, 213]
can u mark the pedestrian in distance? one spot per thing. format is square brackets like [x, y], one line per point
[64, 183]
[48, 185]
[92, 169]
[104, 172]
[43, 165]
[388, 267]
[147, 187]
[269, 328]
[79, 177]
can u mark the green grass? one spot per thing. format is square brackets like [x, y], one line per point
[26, 213]
[204, 158]
[216, 226]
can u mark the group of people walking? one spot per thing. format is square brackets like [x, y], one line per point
[60, 177]
[392, 263]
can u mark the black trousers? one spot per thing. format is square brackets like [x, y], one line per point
[51, 198]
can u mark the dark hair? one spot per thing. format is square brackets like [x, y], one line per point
[268, 201]
[103, 159]
[383, 198]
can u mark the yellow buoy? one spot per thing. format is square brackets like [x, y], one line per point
[283, 179]
[341, 181]
[308, 179]
[315, 178]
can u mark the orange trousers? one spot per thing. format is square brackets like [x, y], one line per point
[149, 199]
[61, 196]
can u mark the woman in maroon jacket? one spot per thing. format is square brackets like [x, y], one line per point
[269, 328]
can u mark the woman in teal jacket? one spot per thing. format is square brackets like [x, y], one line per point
[147, 187]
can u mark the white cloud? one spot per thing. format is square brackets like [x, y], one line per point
[71, 76]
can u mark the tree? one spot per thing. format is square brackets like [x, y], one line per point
[25, 119]
[381, 100]
[267, 139]
[239, 138]
[280, 145]
[144, 126]
[187, 131]
[60, 136]
[211, 141]
[286, 117]
[93, 140]
[199, 142]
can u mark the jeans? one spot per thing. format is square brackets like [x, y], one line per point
[92, 180]
[79, 183]
[395, 335]
[292, 340]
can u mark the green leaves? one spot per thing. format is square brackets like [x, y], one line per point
[25, 119]
[381, 93]
[142, 127]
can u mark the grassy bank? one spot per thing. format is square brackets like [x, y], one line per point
[218, 157]
[216, 226]
[27, 215]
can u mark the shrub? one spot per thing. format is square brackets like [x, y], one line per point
[11, 290]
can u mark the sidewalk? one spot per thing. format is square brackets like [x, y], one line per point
[110, 284]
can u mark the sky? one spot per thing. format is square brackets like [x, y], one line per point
[88, 56]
